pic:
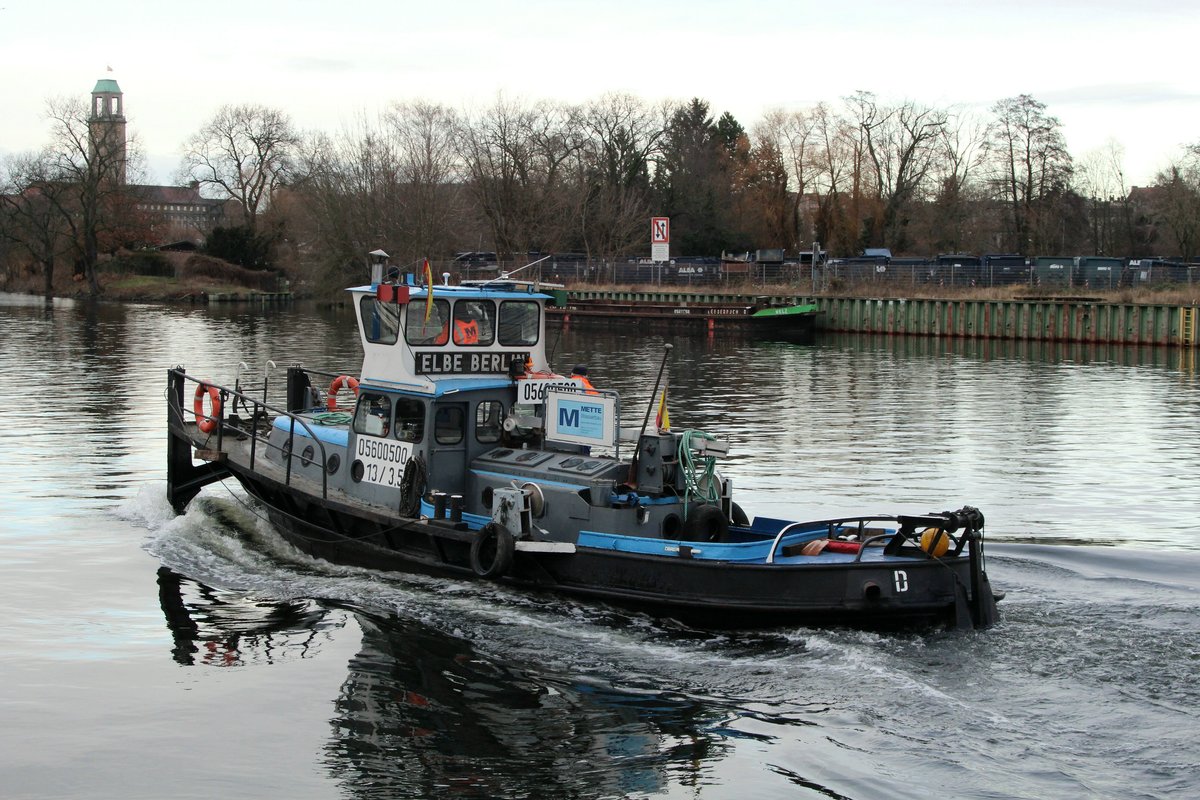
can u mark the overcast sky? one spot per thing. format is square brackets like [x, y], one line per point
[1107, 69]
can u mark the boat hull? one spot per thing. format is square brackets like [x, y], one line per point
[874, 595]
[798, 328]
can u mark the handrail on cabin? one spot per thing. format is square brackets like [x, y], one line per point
[255, 404]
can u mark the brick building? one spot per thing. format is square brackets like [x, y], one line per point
[172, 213]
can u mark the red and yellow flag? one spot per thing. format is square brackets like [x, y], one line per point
[428, 290]
[663, 419]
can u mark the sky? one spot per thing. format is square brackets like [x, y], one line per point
[1109, 70]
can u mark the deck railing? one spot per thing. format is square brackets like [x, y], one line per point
[260, 412]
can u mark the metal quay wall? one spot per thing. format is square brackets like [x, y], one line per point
[1056, 319]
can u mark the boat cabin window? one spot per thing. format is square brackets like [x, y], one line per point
[448, 425]
[488, 416]
[474, 322]
[410, 419]
[373, 415]
[435, 330]
[380, 321]
[519, 323]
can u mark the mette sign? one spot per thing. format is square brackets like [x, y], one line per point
[660, 239]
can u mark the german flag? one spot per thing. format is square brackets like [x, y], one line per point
[663, 419]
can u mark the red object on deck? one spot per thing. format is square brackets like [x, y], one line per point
[390, 293]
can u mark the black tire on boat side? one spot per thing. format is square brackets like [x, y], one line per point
[739, 517]
[492, 551]
[705, 523]
[412, 486]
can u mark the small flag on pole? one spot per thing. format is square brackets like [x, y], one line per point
[663, 419]
[428, 290]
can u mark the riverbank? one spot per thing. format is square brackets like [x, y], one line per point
[1136, 316]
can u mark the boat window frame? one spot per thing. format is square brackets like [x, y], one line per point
[460, 427]
[361, 411]
[416, 313]
[415, 421]
[520, 341]
[495, 411]
[392, 334]
[485, 325]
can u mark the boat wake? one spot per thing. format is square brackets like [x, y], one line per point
[1092, 643]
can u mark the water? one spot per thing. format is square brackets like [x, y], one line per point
[148, 655]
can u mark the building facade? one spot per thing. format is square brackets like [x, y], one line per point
[172, 214]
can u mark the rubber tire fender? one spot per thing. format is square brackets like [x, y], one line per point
[496, 541]
[705, 523]
[412, 487]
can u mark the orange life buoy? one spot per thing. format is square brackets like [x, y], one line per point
[207, 423]
[335, 387]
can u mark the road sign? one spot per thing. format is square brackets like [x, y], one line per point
[660, 230]
[660, 239]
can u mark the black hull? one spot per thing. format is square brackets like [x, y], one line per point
[785, 328]
[710, 593]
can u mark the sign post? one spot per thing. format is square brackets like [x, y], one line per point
[660, 239]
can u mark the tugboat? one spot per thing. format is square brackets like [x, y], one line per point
[457, 450]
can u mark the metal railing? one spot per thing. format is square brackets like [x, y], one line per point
[259, 409]
[905, 531]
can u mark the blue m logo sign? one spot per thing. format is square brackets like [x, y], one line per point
[568, 417]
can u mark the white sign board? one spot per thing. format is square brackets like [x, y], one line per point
[660, 239]
[533, 392]
[575, 418]
[383, 459]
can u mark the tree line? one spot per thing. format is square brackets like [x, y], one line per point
[425, 180]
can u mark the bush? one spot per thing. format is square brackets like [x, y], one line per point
[240, 245]
[200, 266]
[140, 262]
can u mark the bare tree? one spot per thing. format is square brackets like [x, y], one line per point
[93, 161]
[31, 203]
[518, 158]
[1030, 169]
[1100, 179]
[902, 143]
[837, 177]
[429, 173]
[794, 137]
[621, 137]
[392, 183]
[244, 152]
[1178, 202]
[956, 217]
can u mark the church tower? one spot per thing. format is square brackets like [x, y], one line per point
[106, 124]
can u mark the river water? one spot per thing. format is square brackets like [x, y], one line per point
[144, 655]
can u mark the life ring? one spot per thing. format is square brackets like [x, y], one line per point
[335, 387]
[492, 551]
[207, 423]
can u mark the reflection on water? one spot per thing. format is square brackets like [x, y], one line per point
[424, 714]
[471, 690]
[226, 629]
[413, 687]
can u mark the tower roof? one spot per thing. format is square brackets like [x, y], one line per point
[106, 86]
